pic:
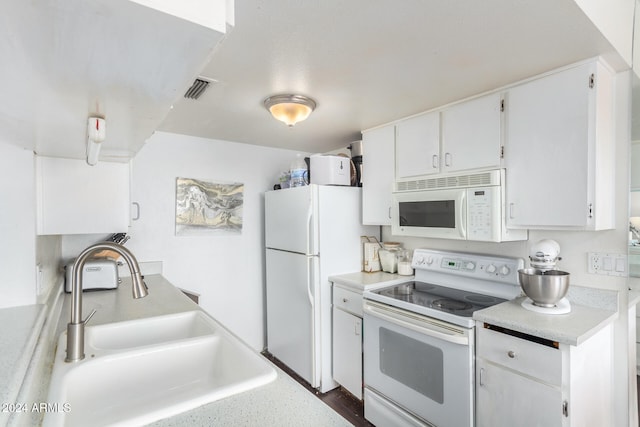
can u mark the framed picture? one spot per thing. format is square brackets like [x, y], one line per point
[208, 208]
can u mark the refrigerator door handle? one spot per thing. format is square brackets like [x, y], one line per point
[310, 274]
[310, 242]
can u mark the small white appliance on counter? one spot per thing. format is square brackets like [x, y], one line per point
[311, 233]
[330, 170]
[544, 280]
[97, 274]
[419, 338]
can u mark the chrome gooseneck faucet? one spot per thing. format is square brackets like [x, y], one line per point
[75, 328]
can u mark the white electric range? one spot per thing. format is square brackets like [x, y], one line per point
[419, 338]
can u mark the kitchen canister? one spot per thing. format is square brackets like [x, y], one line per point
[389, 256]
[404, 262]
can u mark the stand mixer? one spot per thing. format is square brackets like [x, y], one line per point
[544, 285]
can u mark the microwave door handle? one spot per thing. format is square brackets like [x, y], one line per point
[462, 215]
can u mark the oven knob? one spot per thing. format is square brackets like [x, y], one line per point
[429, 261]
[470, 266]
[419, 260]
[504, 270]
[491, 269]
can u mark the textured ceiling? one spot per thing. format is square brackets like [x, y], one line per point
[367, 63]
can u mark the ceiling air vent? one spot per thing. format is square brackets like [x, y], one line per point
[197, 88]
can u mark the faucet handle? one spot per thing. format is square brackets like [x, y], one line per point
[85, 321]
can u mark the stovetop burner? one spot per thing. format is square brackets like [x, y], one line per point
[440, 298]
[451, 304]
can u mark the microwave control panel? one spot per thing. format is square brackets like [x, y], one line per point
[482, 209]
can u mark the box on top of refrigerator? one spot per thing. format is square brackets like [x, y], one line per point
[328, 169]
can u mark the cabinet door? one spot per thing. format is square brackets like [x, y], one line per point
[75, 198]
[377, 175]
[347, 351]
[418, 146]
[547, 150]
[471, 134]
[505, 399]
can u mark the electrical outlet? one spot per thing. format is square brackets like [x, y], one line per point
[607, 264]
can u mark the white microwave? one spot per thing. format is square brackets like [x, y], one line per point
[463, 207]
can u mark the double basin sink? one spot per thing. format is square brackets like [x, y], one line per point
[139, 371]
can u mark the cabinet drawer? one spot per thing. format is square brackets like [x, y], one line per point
[347, 300]
[530, 358]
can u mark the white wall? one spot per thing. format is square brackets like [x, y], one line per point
[17, 226]
[615, 20]
[48, 263]
[227, 270]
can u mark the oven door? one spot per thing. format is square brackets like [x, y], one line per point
[419, 364]
[434, 213]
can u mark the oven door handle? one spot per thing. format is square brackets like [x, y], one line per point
[416, 324]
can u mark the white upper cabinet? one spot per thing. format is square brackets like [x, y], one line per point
[121, 60]
[377, 175]
[75, 198]
[471, 134]
[418, 146]
[462, 137]
[559, 150]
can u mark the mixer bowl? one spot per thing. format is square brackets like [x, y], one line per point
[545, 288]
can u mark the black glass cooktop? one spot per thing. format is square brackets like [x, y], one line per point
[454, 301]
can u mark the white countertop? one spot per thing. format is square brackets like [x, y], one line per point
[20, 328]
[361, 281]
[572, 328]
[279, 403]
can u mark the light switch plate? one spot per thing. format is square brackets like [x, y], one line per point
[607, 264]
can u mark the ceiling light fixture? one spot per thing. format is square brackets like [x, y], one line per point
[290, 109]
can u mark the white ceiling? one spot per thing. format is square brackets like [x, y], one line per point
[63, 61]
[369, 62]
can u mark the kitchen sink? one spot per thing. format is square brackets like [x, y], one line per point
[153, 330]
[178, 363]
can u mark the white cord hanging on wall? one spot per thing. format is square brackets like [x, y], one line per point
[96, 133]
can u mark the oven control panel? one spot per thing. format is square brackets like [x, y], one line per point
[478, 266]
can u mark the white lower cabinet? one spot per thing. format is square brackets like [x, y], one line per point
[506, 398]
[347, 340]
[531, 382]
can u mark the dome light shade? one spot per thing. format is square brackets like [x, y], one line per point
[290, 109]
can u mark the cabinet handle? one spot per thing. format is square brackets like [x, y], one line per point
[357, 328]
[389, 211]
[137, 215]
[447, 159]
[511, 354]
[481, 377]
[511, 209]
[344, 300]
[434, 161]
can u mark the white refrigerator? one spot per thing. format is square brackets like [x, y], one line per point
[311, 233]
